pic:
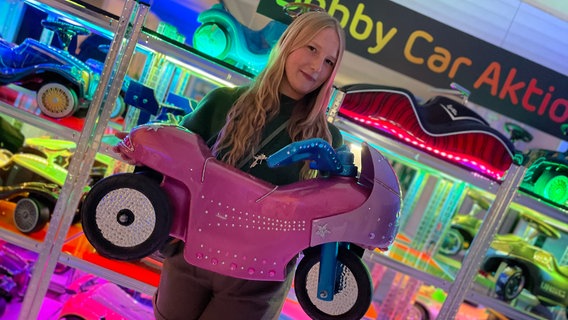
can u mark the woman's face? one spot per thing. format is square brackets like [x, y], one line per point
[309, 66]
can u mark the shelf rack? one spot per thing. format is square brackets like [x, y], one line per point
[218, 71]
[88, 138]
[506, 191]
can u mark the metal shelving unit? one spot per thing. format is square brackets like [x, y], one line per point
[410, 156]
[507, 193]
[128, 35]
[38, 122]
[89, 142]
[148, 40]
[110, 275]
[118, 59]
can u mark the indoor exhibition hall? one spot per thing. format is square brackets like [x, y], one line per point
[432, 185]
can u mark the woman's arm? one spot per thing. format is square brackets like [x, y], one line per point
[210, 114]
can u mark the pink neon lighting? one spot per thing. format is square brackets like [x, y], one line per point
[392, 128]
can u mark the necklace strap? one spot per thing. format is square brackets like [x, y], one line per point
[263, 143]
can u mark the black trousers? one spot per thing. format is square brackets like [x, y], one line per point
[187, 292]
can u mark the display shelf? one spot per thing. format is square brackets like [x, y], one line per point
[418, 159]
[429, 279]
[48, 124]
[149, 41]
[389, 262]
[120, 52]
[31, 241]
[500, 306]
[138, 277]
[67, 128]
[9, 234]
[141, 275]
[542, 207]
[212, 69]
[89, 14]
[506, 194]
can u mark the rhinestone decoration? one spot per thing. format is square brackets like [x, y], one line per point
[131, 200]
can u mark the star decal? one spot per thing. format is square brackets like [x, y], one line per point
[323, 231]
[153, 128]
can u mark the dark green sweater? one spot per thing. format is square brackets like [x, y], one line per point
[210, 116]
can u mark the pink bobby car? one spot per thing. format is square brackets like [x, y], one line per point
[238, 225]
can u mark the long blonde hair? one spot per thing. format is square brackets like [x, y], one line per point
[260, 102]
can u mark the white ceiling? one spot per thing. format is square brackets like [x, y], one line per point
[558, 8]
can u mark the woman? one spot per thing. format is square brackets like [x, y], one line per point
[286, 102]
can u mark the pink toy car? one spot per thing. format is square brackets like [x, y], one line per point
[237, 225]
[96, 298]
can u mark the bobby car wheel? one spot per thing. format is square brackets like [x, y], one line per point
[452, 243]
[353, 293]
[126, 216]
[213, 39]
[510, 283]
[56, 100]
[553, 186]
[418, 312]
[30, 215]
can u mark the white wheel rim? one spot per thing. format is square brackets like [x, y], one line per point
[56, 100]
[342, 301]
[109, 209]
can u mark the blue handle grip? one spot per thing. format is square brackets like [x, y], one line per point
[316, 149]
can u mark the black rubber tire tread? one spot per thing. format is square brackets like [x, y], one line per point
[150, 189]
[358, 270]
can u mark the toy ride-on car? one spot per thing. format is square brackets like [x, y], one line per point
[63, 83]
[60, 152]
[34, 184]
[222, 36]
[238, 225]
[96, 298]
[517, 264]
[464, 227]
[547, 174]
[441, 127]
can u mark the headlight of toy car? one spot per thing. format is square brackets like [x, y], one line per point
[85, 76]
[543, 258]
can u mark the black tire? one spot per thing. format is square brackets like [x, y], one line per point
[350, 302]
[119, 108]
[71, 317]
[510, 283]
[30, 215]
[418, 312]
[126, 216]
[453, 242]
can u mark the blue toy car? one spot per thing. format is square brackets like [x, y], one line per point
[222, 36]
[63, 83]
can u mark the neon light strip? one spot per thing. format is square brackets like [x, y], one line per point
[209, 76]
[393, 129]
